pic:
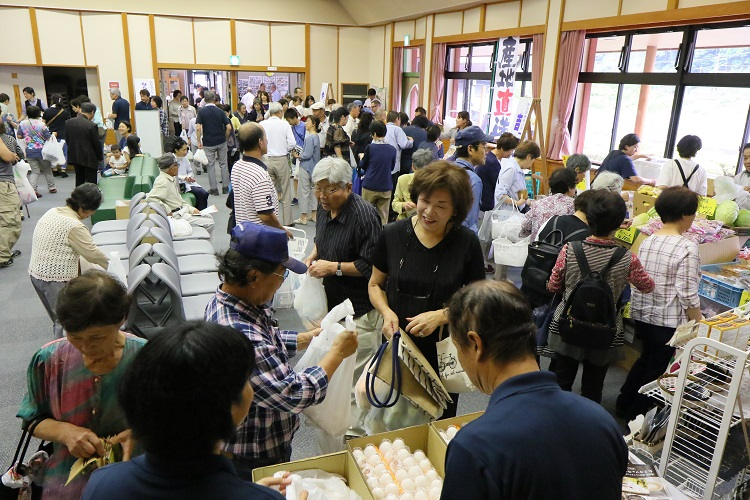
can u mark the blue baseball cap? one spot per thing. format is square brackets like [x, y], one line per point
[472, 135]
[357, 103]
[265, 243]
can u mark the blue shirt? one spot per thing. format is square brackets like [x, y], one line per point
[120, 108]
[151, 477]
[476, 189]
[143, 106]
[310, 153]
[547, 444]
[377, 164]
[489, 173]
[619, 163]
[418, 136]
[214, 121]
[299, 134]
[396, 137]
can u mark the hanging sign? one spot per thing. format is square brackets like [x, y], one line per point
[501, 114]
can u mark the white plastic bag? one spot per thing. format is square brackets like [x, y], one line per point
[509, 253]
[320, 485]
[200, 157]
[333, 415]
[485, 230]
[507, 224]
[310, 301]
[116, 269]
[452, 374]
[52, 151]
[183, 135]
[284, 296]
[20, 176]
[180, 227]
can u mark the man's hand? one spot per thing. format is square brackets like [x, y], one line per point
[295, 153]
[125, 438]
[196, 211]
[345, 344]
[189, 179]
[304, 338]
[289, 234]
[322, 268]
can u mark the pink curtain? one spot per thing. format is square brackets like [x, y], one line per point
[569, 65]
[398, 78]
[537, 46]
[437, 82]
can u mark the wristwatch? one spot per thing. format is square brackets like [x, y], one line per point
[338, 270]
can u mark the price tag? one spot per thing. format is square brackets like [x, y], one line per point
[626, 311]
[627, 235]
[707, 206]
[745, 297]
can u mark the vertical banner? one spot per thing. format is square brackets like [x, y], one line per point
[523, 107]
[145, 83]
[508, 52]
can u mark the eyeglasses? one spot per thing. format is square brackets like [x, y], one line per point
[326, 192]
[282, 276]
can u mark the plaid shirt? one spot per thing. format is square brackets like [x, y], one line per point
[674, 265]
[163, 122]
[280, 392]
[542, 210]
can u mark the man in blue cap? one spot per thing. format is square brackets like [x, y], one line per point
[470, 153]
[252, 270]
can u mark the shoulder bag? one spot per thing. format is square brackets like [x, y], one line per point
[19, 475]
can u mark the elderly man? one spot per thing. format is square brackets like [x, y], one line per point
[319, 110]
[275, 94]
[84, 149]
[120, 111]
[212, 128]
[492, 328]
[347, 229]
[354, 108]
[280, 141]
[470, 154]
[166, 193]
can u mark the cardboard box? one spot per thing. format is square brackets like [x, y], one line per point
[710, 253]
[122, 209]
[642, 203]
[340, 463]
[420, 437]
[460, 421]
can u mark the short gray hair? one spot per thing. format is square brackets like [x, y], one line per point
[209, 96]
[421, 158]
[578, 162]
[334, 170]
[609, 181]
[275, 108]
[115, 92]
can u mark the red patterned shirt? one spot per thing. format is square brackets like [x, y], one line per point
[542, 210]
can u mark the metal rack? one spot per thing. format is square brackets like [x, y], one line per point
[700, 421]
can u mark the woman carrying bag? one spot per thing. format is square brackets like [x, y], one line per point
[421, 261]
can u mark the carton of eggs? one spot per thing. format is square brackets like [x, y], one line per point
[449, 433]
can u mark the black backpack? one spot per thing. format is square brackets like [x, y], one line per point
[589, 318]
[542, 257]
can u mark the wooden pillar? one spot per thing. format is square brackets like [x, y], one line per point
[640, 117]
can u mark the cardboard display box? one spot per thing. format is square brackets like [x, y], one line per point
[710, 253]
[460, 421]
[642, 203]
[340, 463]
[122, 209]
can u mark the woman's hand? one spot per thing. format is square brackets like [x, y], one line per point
[82, 442]
[125, 438]
[304, 338]
[322, 268]
[390, 324]
[279, 482]
[426, 323]
[408, 205]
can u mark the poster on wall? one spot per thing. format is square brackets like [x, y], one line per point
[145, 83]
[323, 92]
[521, 116]
[503, 81]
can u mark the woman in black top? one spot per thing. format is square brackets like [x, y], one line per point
[422, 261]
[256, 114]
[55, 117]
[361, 136]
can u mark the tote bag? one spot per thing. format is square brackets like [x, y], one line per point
[452, 374]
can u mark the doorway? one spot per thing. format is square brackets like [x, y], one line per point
[68, 82]
[187, 80]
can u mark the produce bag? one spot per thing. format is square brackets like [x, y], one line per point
[200, 157]
[310, 302]
[319, 484]
[21, 176]
[116, 268]
[485, 230]
[52, 151]
[333, 415]
[452, 374]
[510, 253]
[507, 224]
[184, 136]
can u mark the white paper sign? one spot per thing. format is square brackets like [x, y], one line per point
[323, 92]
[521, 115]
[144, 83]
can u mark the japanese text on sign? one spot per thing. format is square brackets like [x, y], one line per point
[501, 111]
[706, 206]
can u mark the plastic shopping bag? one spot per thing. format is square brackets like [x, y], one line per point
[333, 415]
[485, 230]
[200, 157]
[52, 151]
[509, 253]
[319, 484]
[284, 296]
[116, 268]
[452, 374]
[507, 224]
[20, 176]
[310, 301]
[180, 227]
[183, 135]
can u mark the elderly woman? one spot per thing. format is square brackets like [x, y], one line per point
[421, 261]
[256, 114]
[60, 239]
[347, 231]
[73, 382]
[609, 181]
[492, 329]
[578, 164]
[510, 190]
[402, 203]
[309, 157]
[562, 186]
[686, 171]
[35, 133]
[209, 399]
[252, 270]
[186, 113]
[185, 175]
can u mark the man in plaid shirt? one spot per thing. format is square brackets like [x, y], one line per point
[253, 268]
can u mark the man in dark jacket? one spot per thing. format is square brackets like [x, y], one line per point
[418, 133]
[84, 149]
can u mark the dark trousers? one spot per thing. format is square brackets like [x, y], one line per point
[653, 362]
[201, 197]
[245, 466]
[177, 128]
[592, 378]
[85, 174]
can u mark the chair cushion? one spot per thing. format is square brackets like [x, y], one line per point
[200, 283]
[110, 225]
[191, 247]
[194, 307]
[111, 238]
[202, 263]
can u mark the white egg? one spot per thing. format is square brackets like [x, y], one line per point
[370, 451]
[385, 446]
[366, 470]
[401, 474]
[414, 471]
[436, 483]
[419, 455]
[372, 483]
[358, 453]
[432, 475]
[406, 496]
[380, 468]
[385, 479]
[402, 453]
[452, 430]
[374, 460]
[420, 495]
[391, 489]
[361, 462]
[396, 464]
[398, 444]
[421, 482]
[408, 485]
[434, 494]
[388, 455]
[378, 493]
[392, 496]
[425, 465]
[408, 462]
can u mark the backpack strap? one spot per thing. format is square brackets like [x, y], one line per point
[682, 173]
[617, 256]
[574, 233]
[583, 263]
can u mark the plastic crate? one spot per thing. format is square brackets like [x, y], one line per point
[723, 293]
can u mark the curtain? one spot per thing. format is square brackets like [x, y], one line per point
[537, 44]
[568, 67]
[437, 82]
[398, 78]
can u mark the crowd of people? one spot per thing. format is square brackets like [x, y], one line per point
[396, 234]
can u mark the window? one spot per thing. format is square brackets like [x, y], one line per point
[468, 80]
[663, 85]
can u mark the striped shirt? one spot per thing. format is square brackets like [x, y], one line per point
[350, 237]
[253, 190]
[281, 394]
